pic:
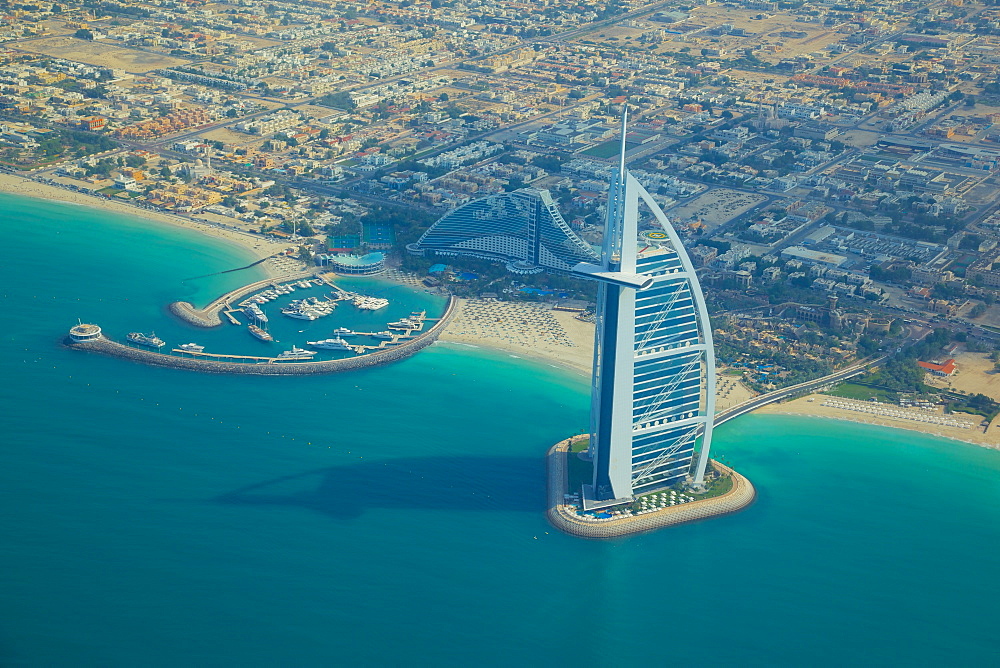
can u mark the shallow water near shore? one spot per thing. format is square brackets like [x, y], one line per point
[395, 516]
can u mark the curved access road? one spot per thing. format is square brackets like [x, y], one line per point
[801, 388]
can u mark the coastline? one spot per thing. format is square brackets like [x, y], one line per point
[259, 247]
[578, 357]
[537, 333]
[803, 407]
[571, 348]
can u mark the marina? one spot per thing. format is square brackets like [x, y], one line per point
[312, 308]
[297, 361]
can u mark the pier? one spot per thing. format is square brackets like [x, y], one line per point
[265, 366]
[209, 316]
[565, 518]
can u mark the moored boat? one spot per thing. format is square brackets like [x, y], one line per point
[370, 303]
[252, 310]
[150, 340]
[296, 354]
[331, 344]
[259, 333]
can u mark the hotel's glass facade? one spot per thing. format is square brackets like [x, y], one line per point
[654, 366]
[523, 227]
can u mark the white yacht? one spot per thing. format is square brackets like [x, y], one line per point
[302, 315]
[344, 331]
[191, 347]
[331, 344]
[254, 311]
[296, 354]
[370, 303]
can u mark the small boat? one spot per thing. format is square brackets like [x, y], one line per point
[259, 333]
[384, 335]
[150, 340]
[403, 324]
[191, 347]
[343, 331]
[296, 354]
[331, 344]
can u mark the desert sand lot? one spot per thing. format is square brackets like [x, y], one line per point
[975, 375]
[760, 32]
[716, 207]
[319, 111]
[233, 137]
[101, 54]
[859, 138]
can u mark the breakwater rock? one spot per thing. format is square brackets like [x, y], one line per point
[565, 518]
[209, 315]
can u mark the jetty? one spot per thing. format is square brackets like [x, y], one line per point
[210, 315]
[90, 338]
[563, 515]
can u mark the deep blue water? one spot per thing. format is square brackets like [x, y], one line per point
[396, 516]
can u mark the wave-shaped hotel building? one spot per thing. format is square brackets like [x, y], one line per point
[523, 229]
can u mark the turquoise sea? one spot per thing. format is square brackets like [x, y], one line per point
[395, 517]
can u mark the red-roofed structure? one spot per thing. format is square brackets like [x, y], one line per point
[946, 369]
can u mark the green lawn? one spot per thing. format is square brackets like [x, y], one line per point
[578, 471]
[605, 150]
[863, 392]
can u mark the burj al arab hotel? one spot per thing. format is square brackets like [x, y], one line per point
[653, 391]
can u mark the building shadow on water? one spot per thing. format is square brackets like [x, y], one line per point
[431, 483]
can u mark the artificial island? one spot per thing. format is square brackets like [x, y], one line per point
[653, 391]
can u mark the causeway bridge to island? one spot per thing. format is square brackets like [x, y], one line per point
[795, 390]
[916, 334]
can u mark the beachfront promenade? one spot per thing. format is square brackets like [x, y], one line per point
[565, 517]
[266, 366]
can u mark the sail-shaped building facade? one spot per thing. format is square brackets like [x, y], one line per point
[653, 391]
[522, 228]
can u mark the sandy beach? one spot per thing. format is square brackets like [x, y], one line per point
[811, 406]
[530, 330]
[538, 332]
[533, 331]
[260, 247]
[523, 330]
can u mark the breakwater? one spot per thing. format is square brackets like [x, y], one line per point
[565, 518]
[105, 346]
[209, 315]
